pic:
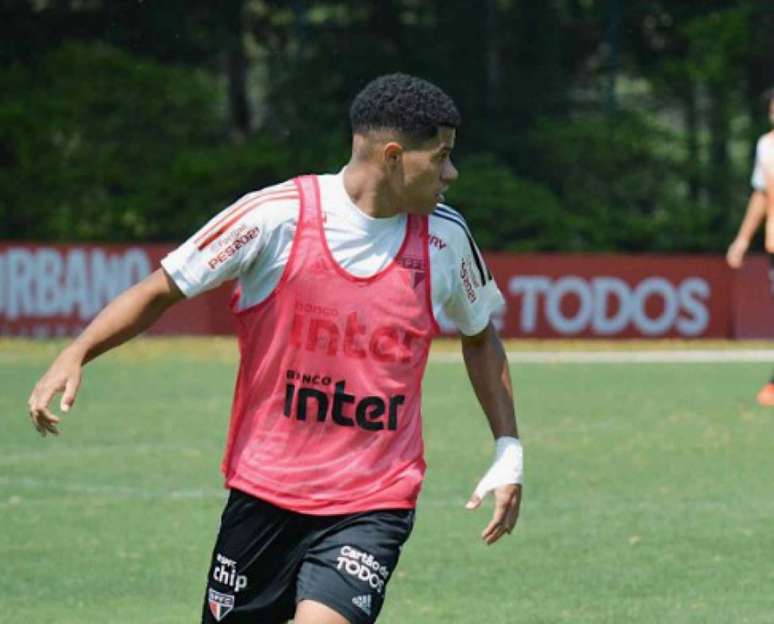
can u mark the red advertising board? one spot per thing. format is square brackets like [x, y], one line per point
[55, 290]
[613, 296]
[753, 300]
[50, 290]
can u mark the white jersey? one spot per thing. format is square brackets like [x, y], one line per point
[764, 161]
[251, 241]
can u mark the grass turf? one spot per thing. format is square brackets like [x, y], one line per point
[648, 494]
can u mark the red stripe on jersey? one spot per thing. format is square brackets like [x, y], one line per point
[241, 213]
[284, 188]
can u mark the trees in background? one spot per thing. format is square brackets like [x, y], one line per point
[587, 124]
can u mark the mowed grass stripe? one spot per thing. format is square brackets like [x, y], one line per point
[648, 496]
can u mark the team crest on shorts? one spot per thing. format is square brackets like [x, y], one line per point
[220, 604]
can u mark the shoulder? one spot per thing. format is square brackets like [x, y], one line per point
[448, 225]
[256, 214]
[266, 209]
[450, 236]
[449, 231]
[764, 154]
[766, 142]
[279, 200]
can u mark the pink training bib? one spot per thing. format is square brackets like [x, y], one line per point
[326, 416]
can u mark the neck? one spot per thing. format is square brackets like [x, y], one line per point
[368, 190]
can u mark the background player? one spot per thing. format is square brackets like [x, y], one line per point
[340, 279]
[760, 207]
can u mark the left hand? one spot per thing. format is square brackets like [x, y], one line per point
[506, 512]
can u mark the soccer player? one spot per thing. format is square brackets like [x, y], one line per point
[341, 278]
[760, 207]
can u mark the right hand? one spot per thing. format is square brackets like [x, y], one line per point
[63, 376]
[736, 252]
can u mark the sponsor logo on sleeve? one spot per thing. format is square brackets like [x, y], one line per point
[468, 279]
[227, 247]
[473, 274]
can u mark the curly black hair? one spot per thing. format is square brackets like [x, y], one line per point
[414, 107]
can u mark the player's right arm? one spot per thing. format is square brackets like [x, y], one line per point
[222, 250]
[753, 217]
[129, 314]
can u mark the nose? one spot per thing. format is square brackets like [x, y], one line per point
[449, 172]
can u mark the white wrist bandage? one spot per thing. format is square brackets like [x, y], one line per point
[507, 468]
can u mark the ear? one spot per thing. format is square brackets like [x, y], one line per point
[393, 153]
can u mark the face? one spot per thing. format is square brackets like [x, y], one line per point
[425, 173]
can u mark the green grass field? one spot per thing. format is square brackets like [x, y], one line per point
[649, 494]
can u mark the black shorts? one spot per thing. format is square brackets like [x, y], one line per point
[267, 559]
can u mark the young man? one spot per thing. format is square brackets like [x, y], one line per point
[760, 207]
[340, 278]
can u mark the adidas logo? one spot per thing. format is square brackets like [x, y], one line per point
[363, 602]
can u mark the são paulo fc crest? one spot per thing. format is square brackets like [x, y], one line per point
[220, 604]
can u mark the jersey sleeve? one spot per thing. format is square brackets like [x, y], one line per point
[227, 245]
[763, 173]
[470, 294]
[766, 155]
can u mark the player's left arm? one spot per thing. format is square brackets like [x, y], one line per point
[769, 237]
[487, 367]
[767, 162]
[468, 296]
